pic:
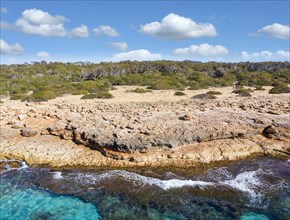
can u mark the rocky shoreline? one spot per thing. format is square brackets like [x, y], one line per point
[69, 132]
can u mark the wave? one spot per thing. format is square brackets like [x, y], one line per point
[7, 167]
[57, 175]
[136, 179]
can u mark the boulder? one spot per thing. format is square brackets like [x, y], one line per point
[269, 131]
[28, 132]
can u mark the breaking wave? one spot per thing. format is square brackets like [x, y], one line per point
[18, 165]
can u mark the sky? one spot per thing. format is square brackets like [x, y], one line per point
[105, 31]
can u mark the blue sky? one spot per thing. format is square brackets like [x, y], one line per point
[96, 31]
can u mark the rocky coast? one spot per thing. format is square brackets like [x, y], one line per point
[154, 129]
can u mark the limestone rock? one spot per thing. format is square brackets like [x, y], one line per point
[28, 132]
[185, 117]
[22, 116]
[269, 132]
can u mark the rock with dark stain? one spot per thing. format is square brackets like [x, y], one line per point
[269, 131]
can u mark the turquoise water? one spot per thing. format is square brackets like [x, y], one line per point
[28, 203]
[249, 190]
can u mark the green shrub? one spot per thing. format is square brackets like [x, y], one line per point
[259, 88]
[166, 83]
[179, 93]
[80, 92]
[41, 96]
[279, 90]
[100, 95]
[214, 93]
[140, 90]
[280, 87]
[17, 96]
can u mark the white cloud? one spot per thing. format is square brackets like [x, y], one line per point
[175, 27]
[105, 30]
[119, 45]
[81, 31]
[14, 49]
[43, 54]
[202, 50]
[36, 21]
[276, 30]
[139, 55]
[280, 55]
[3, 10]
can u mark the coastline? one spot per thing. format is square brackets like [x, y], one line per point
[178, 132]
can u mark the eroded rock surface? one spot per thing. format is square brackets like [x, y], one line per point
[92, 133]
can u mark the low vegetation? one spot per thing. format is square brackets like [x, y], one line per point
[179, 93]
[214, 93]
[242, 90]
[41, 81]
[99, 95]
[280, 87]
[140, 90]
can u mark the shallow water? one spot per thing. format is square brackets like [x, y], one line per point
[250, 190]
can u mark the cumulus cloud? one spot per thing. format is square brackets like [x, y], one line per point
[280, 55]
[36, 21]
[81, 31]
[202, 50]
[119, 45]
[105, 30]
[276, 30]
[175, 27]
[10, 49]
[139, 55]
[3, 10]
[43, 54]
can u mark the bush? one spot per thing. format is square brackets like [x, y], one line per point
[166, 83]
[17, 96]
[80, 92]
[280, 87]
[178, 93]
[259, 88]
[279, 90]
[41, 96]
[100, 95]
[214, 93]
[140, 90]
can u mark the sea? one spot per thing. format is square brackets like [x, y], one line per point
[251, 189]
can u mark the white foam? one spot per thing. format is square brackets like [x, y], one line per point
[248, 182]
[8, 168]
[57, 175]
[23, 165]
[139, 180]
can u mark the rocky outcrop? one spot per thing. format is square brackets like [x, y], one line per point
[150, 127]
[89, 133]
